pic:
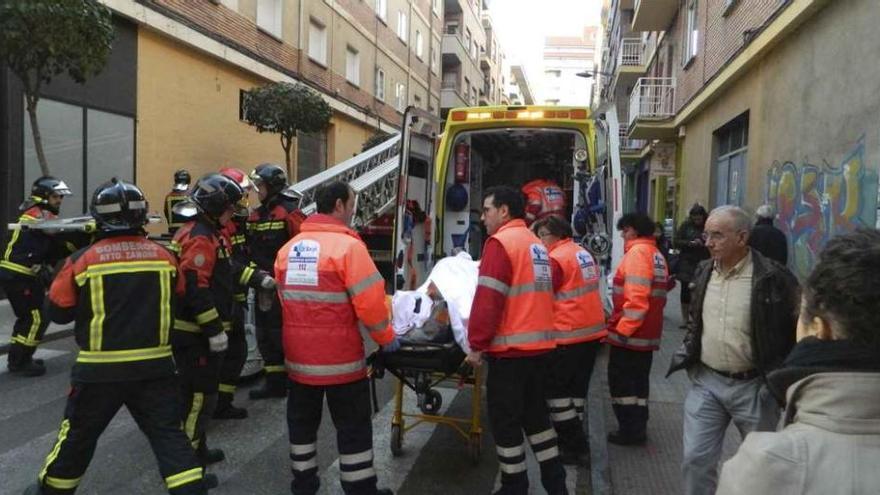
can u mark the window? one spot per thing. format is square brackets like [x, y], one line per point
[401, 26]
[382, 9]
[417, 101]
[380, 84]
[400, 96]
[311, 154]
[435, 4]
[434, 60]
[269, 16]
[467, 89]
[691, 38]
[317, 42]
[467, 39]
[352, 65]
[731, 144]
[450, 80]
[419, 44]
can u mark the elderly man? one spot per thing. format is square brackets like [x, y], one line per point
[743, 317]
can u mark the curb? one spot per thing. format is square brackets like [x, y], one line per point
[49, 337]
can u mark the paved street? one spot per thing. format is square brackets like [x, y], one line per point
[435, 459]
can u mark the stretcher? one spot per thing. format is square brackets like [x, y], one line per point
[421, 367]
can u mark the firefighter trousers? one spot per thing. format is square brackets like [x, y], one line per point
[199, 373]
[155, 407]
[349, 406]
[566, 386]
[234, 358]
[269, 342]
[629, 375]
[27, 297]
[516, 400]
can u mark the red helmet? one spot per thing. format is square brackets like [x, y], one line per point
[238, 176]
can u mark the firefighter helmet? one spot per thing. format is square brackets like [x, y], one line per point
[216, 193]
[244, 183]
[272, 176]
[119, 206]
[182, 180]
[43, 188]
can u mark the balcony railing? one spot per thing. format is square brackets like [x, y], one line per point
[632, 53]
[653, 98]
[627, 144]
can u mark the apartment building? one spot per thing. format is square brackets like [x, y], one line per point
[519, 91]
[170, 96]
[563, 58]
[748, 102]
[494, 66]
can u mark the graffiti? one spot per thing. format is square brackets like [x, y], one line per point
[815, 203]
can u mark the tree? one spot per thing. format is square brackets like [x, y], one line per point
[375, 140]
[286, 108]
[41, 39]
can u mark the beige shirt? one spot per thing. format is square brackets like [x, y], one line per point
[727, 329]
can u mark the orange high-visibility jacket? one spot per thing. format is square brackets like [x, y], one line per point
[577, 307]
[639, 296]
[527, 321]
[329, 287]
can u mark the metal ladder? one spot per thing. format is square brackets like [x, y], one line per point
[372, 174]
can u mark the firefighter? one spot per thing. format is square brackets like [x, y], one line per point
[177, 194]
[635, 326]
[236, 354]
[121, 278]
[27, 260]
[330, 287]
[203, 318]
[512, 325]
[269, 227]
[579, 321]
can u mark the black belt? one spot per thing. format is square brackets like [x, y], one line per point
[739, 375]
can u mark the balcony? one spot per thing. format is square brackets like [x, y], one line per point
[454, 51]
[653, 15]
[632, 60]
[630, 149]
[451, 97]
[651, 108]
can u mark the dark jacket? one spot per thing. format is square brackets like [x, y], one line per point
[689, 255]
[769, 241]
[774, 307]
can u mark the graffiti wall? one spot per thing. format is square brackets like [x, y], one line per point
[816, 202]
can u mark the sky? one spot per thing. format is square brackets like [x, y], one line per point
[522, 25]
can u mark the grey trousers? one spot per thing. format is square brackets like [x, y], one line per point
[711, 404]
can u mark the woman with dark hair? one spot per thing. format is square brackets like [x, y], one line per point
[830, 442]
[692, 250]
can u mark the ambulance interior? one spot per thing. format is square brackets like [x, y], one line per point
[512, 156]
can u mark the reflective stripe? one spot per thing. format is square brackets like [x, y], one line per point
[96, 326]
[493, 283]
[364, 284]
[62, 483]
[21, 339]
[580, 291]
[179, 479]
[547, 454]
[558, 402]
[174, 246]
[188, 326]
[266, 225]
[190, 426]
[226, 388]
[246, 275]
[239, 297]
[314, 296]
[361, 457]
[511, 468]
[15, 267]
[579, 403]
[36, 321]
[325, 369]
[360, 474]
[304, 465]
[273, 368]
[542, 437]
[564, 416]
[636, 280]
[518, 290]
[123, 267]
[62, 436]
[581, 332]
[303, 448]
[510, 451]
[207, 316]
[635, 314]
[164, 307]
[630, 341]
[523, 338]
[15, 234]
[124, 356]
[629, 401]
[376, 327]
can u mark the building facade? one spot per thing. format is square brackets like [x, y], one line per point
[464, 41]
[563, 58]
[748, 102]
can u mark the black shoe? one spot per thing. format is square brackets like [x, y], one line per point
[212, 456]
[267, 393]
[30, 368]
[618, 438]
[230, 412]
[210, 481]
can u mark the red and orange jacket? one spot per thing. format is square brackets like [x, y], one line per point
[269, 227]
[639, 296]
[577, 307]
[329, 289]
[514, 295]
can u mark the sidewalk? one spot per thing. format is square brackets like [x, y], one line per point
[7, 319]
[656, 467]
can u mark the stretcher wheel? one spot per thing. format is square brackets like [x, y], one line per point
[396, 440]
[433, 401]
[475, 445]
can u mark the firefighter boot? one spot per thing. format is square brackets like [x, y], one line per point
[275, 387]
[225, 409]
[19, 362]
[209, 456]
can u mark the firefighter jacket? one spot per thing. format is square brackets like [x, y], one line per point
[233, 231]
[120, 291]
[269, 227]
[28, 249]
[639, 296]
[329, 289]
[577, 305]
[210, 277]
[526, 322]
[543, 198]
[175, 220]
